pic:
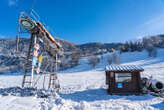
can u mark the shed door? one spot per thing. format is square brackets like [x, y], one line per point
[125, 82]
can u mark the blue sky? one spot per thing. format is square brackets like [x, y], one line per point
[82, 21]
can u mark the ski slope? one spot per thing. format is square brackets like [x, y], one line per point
[83, 88]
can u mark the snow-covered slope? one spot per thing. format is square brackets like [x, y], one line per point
[83, 88]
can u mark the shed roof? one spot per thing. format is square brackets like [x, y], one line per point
[124, 68]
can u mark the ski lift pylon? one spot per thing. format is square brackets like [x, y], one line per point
[39, 34]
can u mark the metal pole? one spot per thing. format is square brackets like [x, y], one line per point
[56, 62]
[17, 38]
[32, 70]
[44, 82]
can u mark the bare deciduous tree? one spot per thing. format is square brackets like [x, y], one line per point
[75, 56]
[115, 58]
[94, 60]
[109, 59]
[152, 51]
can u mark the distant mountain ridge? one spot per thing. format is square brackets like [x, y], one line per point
[12, 61]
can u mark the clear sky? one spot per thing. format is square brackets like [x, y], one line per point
[82, 21]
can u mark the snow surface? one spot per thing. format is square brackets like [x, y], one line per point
[83, 88]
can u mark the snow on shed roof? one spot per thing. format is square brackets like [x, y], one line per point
[123, 68]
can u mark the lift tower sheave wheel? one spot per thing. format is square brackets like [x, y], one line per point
[27, 24]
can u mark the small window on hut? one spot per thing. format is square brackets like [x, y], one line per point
[123, 77]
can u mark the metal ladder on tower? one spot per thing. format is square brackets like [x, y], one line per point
[53, 78]
[28, 77]
[54, 82]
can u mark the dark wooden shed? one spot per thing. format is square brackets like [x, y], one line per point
[123, 79]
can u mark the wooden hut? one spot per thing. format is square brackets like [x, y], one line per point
[123, 79]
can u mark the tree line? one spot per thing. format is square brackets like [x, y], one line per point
[150, 44]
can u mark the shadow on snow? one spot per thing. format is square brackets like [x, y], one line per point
[159, 105]
[22, 92]
[100, 94]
